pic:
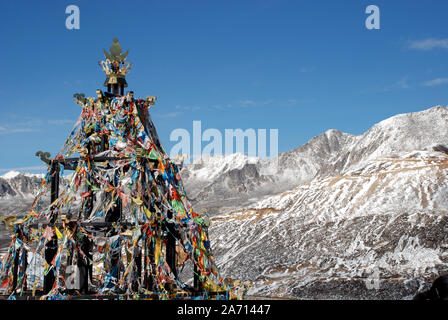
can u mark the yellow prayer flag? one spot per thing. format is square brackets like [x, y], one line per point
[137, 201]
[148, 213]
[157, 251]
[58, 233]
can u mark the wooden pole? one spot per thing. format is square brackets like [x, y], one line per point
[84, 265]
[103, 143]
[15, 270]
[54, 188]
[138, 265]
[149, 252]
[51, 246]
[171, 245]
[196, 282]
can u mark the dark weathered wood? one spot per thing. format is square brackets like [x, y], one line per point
[114, 214]
[51, 247]
[148, 277]
[95, 225]
[70, 163]
[171, 245]
[138, 266]
[25, 266]
[15, 270]
[103, 143]
[88, 202]
[93, 159]
[84, 265]
[196, 282]
[54, 173]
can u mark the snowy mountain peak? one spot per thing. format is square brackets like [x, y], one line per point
[10, 174]
[328, 154]
[13, 174]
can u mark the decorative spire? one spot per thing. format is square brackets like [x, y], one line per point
[115, 52]
[116, 68]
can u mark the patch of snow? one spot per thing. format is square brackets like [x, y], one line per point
[11, 174]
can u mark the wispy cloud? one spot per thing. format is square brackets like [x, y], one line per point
[428, 44]
[435, 82]
[23, 168]
[18, 125]
[247, 103]
[399, 84]
[170, 114]
[299, 101]
[236, 104]
[403, 83]
[250, 103]
[12, 130]
[61, 121]
[305, 69]
[188, 108]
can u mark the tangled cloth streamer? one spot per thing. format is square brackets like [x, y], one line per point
[130, 258]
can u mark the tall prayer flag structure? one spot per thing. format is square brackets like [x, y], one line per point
[121, 226]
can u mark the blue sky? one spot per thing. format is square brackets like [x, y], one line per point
[301, 67]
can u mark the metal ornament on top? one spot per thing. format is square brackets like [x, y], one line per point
[116, 68]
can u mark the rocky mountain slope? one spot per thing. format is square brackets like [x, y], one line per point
[17, 192]
[379, 231]
[371, 223]
[17, 184]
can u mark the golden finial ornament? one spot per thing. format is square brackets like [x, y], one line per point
[116, 68]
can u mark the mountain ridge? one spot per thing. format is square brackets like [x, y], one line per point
[330, 153]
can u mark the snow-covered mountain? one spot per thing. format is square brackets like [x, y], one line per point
[220, 183]
[371, 223]
[19, 184]
[385, 223]
[17, 190]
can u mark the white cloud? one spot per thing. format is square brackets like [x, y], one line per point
[188, 108]
[435, 82]
[16, 130]
[61, 121]
[400, 84]
[247, 103]
[428, 44]
[20, 126]
[299, 101]
[269, 101]
[23, 168]
[252, 103]
[403, 83]
[30, 125]
[169, 114]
